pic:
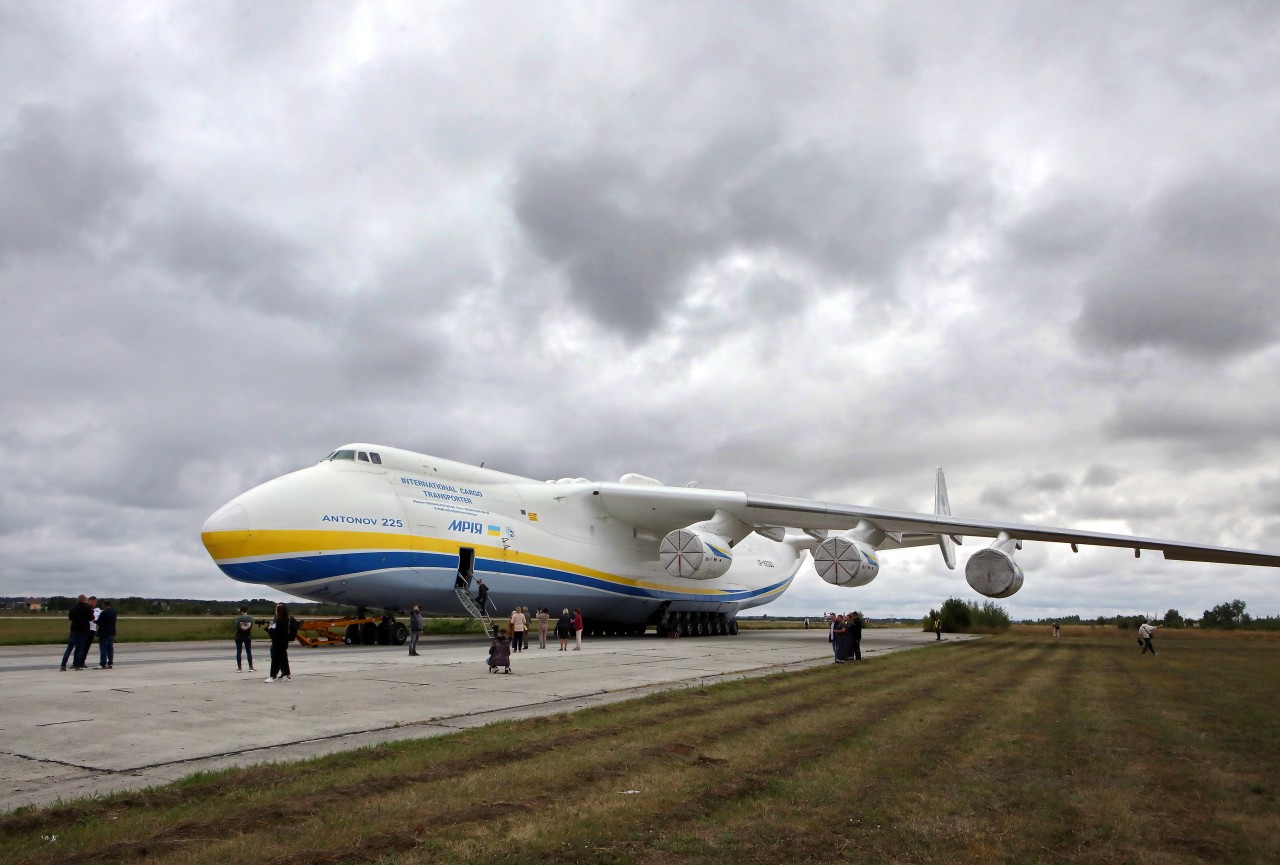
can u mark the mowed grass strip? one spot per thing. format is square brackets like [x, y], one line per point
[1011, 749]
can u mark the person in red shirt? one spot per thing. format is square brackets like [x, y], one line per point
[577, 628]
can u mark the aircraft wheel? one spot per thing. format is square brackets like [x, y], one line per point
[347, 639]
[400, 633]
[683, 628]
[733, 627]
[700, 628]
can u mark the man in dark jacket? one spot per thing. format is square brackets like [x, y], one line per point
[81, 616]
[106, 637]
[415, 628]
[840, 638]
[855, 635]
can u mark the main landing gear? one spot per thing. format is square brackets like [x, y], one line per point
[372, 631]
[698, 625]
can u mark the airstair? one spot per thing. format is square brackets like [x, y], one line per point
[469, 604]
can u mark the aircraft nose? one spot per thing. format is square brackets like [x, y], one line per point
[231, 517]
[227, 526]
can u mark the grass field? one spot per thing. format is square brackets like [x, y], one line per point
[1015, 749]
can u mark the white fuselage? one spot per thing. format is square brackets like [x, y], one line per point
[391, 532]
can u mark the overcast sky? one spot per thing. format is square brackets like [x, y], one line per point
[813, 250]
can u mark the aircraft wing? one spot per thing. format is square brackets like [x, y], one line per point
[664, 509]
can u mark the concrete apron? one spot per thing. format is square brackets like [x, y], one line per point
[168, 710]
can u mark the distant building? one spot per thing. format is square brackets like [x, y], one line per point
[34, 605]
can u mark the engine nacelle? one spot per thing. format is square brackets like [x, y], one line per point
[993, 572]
[694, 554]
[846, 561]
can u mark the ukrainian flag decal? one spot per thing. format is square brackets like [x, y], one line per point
[495, 530]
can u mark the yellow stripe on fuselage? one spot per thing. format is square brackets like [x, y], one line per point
[238, 545]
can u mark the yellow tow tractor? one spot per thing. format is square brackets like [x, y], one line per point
[350, 631]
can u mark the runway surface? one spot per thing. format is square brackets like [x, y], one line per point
[168, 710]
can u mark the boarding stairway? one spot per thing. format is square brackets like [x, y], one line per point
[469, 604]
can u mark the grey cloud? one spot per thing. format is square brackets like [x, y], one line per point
[66, 175]
[999, 498]
[599, 220]
[628, 238]
[233, 258]
[1053, 482]
[1061, 229]
[1217, 427]
[1102, 476]
[1198, 273]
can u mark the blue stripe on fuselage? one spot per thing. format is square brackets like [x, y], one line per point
[306, 569]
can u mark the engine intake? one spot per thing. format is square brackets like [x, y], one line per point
[694, 554]
[846, 561]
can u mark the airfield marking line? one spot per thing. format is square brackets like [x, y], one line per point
[55, 762]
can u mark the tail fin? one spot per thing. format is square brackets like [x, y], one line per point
[942, 507]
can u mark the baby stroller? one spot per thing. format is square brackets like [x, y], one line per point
[500, 654]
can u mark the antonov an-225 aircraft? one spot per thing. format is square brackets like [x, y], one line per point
[378, 527]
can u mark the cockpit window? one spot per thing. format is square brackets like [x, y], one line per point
[364, 457]
[343, 455]
[375, 458]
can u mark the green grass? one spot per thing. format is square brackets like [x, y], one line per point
[1016, 749]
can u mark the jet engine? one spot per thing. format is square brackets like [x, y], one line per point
[846, 561]
[993, 572]
[695, 554]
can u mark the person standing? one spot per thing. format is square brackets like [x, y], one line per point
[518, 626]
[93, 626]
[564, 628]
[280, 637]
[1055, 630]
[543, 616]
[839, 631]
[80, 615]
[1145, 632]
[415, 629]
[577, 628]
[244, 638]
[482, 595]
[937, 628]
[106, 637]
[855, 635]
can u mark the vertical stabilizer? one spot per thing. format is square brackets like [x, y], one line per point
[942, 507]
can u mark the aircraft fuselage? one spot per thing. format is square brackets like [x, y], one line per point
[387, 528]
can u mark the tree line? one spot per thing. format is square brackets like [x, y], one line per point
[960, 617]
[1229, 616]
[135, 606]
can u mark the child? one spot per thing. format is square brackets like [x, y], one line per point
[500, 652]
